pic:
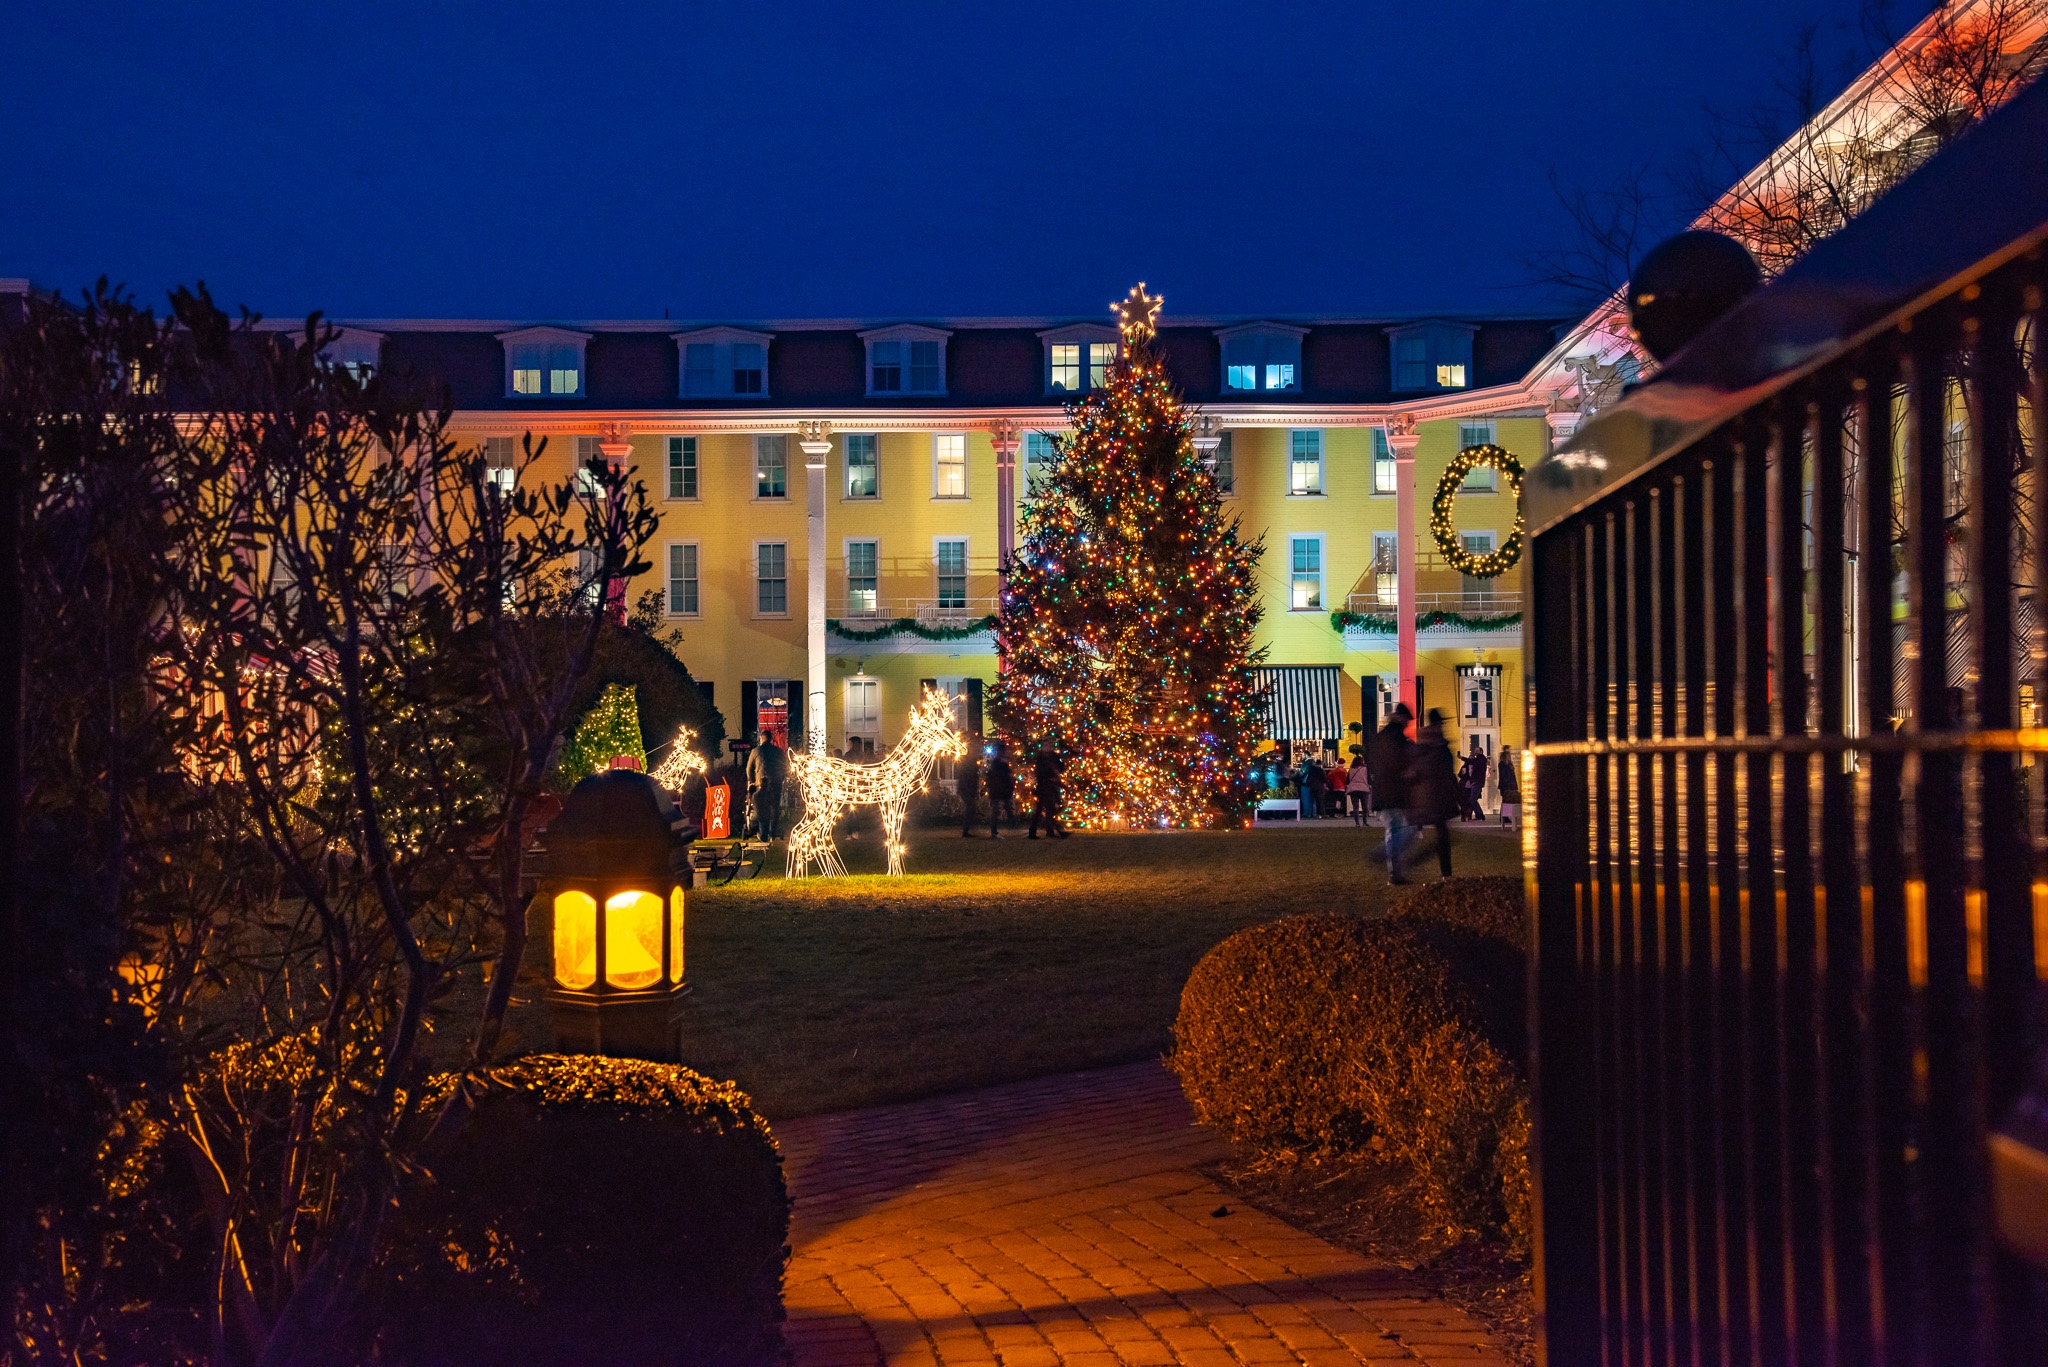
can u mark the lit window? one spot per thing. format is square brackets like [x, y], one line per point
[1262, 356]
[1038, 454]
[1226, 466]
[565, 370]
[863, 472]
[1450, 377]
[771, 466]
[951, 555]
[1101, 355]
[543, 362]
[1386, 567]
[862, 560]
[949, 465]
[1066, 367]
[771, 577]
[1480, 480]
[526, 368]
[501, 471]
[682, 467]
[1306, 574]
[682, 580]
[1384, 471]
[589, 460]
[864, 712]
[1431, 355]
[1305, 463]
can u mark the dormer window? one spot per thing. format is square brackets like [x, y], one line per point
[544, 363]
[724, 363]
[355, 350]
[906, 359]
[1078, 358]
[1431, 356]
[1262, 357]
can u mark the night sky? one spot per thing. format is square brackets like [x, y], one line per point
[858, 158]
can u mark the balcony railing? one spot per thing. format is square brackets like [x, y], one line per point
[927, 611]
[1494, 602]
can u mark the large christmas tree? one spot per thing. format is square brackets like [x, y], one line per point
[1128, 616]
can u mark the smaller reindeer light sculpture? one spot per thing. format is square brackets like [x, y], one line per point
[832, 785]
[683, 761]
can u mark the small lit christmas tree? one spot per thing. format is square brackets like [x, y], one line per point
[611, 728]
[1128, 618]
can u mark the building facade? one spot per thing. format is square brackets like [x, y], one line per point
[836, 498]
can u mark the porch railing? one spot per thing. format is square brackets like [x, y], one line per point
[1790, 901]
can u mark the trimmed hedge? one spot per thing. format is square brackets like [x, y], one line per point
[594, 1209]
[1403, 1035]
[1494, 906]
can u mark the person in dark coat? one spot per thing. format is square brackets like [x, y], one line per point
[1002, 791]
[1045, 782]
[1509, 783]
[1434, 797]
[1472, 778]
[967, 781]
[1311, 788]
[1386, 765]
[767, 767]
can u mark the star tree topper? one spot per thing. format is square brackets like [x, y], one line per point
[1137, 315]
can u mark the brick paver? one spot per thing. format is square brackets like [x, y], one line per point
[1062, 1221]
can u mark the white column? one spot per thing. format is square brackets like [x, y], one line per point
[1402, 439]
[814, 438]
[1563, 423]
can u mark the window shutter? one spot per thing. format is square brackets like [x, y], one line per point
[972, 689]
[750, 709]
[1369, 704]
[795, 688]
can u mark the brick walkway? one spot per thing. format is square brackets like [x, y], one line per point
[1062, 1221]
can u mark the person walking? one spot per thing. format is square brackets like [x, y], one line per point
[1002, 790]
[967, 782]
[1509, 782]
[1433, 794]
[1387, 764]
[767, 768]
[1472, 780]
[1045, 784]
[1358, 789]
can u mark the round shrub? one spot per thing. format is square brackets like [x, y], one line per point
[1334, 1033]
[1493, 906]
[594, 1209]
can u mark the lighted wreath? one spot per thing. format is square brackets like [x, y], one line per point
[1443, 509]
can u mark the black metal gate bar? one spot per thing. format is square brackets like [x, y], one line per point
[1788, 909]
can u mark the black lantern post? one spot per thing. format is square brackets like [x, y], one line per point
[616, 869]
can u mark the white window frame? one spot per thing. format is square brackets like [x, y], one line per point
[846, 492]
[754, 573]
[501, 464]
[725, 344]
[939, 574]
[846, 557]
[763, 442]
[673, 450]
[1445, 347]
[1386, 471]
[1295, 487]
[1097, 348]
[868, 728]
[1295, 576]
[1386, 584]
[943, 440]
[1033, 469]
[695, 578]
[1484, 480]
[548, 346]
[1226, 464]
[906, 333]
[1268, 354]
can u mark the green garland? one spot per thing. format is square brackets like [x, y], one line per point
[1444, 507]
[910, 626]
[1436, 617]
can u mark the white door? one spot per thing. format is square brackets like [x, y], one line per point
[1479, 705]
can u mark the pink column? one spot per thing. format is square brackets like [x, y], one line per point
[1402, 439]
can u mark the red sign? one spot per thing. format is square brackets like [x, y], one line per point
[718, 812]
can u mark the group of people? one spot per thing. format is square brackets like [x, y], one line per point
[1420, 785]
[999, 781]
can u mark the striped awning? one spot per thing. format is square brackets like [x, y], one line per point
[1303, 702]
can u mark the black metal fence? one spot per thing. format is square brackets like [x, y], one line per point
[1787, 863]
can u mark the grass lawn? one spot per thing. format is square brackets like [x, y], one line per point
[991, 961]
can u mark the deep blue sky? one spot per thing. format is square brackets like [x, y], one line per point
[859, 157]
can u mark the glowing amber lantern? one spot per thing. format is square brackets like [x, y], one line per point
[616, 869]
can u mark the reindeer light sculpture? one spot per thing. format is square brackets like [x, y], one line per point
[683, 761]
[830, 786]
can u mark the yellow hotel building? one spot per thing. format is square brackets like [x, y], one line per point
[837, 496]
